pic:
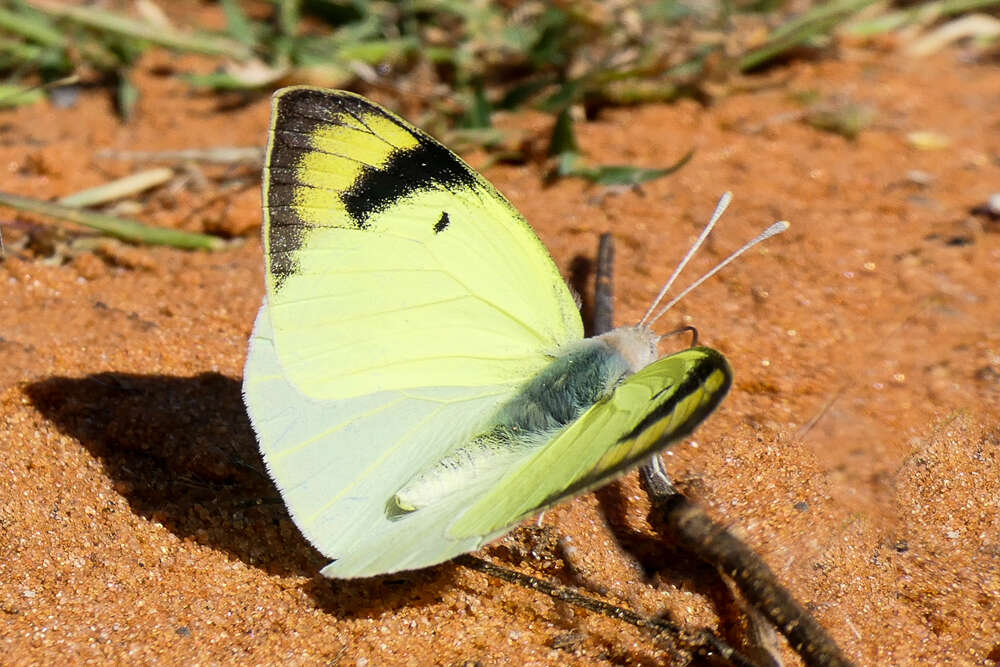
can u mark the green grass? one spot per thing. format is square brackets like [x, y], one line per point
[114, 226]
[464, 61]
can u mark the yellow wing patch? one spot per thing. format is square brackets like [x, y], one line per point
[335, 160]
[373, 141]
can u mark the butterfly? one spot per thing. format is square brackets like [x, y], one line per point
[418, 377]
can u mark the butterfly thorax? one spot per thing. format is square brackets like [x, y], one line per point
[586, 373]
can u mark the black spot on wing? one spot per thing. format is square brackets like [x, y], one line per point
[442, 224]
[427, 165]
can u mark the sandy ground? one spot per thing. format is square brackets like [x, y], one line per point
[858, 451]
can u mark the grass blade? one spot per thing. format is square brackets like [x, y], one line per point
[33, 27]
[238, 24]
[119, 188]
[99, 19]
[16, 96]
[122, 228]
[817, 22]
[924, 11]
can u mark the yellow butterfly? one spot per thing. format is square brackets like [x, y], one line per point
[418, 377]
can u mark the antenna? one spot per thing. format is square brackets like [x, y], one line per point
[720, 208]
[773, 230]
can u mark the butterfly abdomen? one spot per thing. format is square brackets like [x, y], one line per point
[587, 373]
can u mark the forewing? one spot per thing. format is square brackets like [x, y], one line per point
[392, 264]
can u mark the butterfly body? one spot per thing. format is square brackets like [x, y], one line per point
[418, 378]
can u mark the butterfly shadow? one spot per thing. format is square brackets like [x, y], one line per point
[182, 453]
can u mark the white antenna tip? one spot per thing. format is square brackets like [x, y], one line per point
[773, 230]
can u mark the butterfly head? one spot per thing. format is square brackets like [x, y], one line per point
[638, 345]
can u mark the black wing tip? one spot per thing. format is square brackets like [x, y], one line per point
[317, 102]
[297, 93]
